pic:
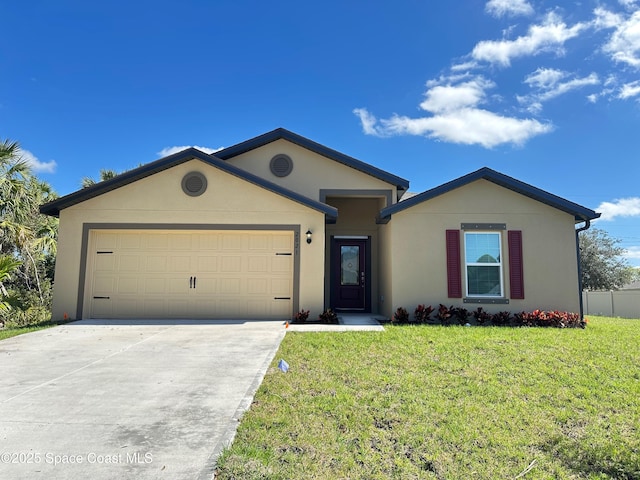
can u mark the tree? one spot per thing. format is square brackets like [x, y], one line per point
[27, 238]
[105, 174]
[603, 267]
[8, 265]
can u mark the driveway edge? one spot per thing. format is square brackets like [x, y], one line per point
[209, 470]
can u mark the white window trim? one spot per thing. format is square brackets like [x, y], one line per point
[476, 264]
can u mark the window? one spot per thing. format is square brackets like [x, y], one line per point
[483, 262]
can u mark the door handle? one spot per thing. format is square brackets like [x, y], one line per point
[194, 281]
[362, 278]
[190, 282]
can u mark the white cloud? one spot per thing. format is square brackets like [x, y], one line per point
[628, 3]
[606, 19]
[624, 43]
[458, 107]
[470, 126]
[623, 207]
[166, 151]
[501, 8]
[611, 87]
[545, 77]
[629, 90]
[632, 253]
[368, 122]
[548, 85]
[456, 117]
[548, 36]
[36, 165]
[446, 98]
[464, 66]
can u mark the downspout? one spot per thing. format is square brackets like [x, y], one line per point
[578, 230]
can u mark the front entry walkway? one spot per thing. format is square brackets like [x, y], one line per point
[349, 322]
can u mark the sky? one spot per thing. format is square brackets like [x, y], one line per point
[547, 92]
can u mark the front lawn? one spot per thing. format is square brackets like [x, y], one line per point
[447, 403]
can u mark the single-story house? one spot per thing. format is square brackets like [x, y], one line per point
[280, 223]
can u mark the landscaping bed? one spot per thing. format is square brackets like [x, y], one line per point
[462, 316]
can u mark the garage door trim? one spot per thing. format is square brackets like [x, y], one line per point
[87, 227]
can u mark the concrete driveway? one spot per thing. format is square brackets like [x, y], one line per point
[130, 400]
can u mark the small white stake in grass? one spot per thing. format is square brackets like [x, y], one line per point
[284, 366]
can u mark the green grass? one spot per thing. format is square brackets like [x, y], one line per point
[447, 403]
[13, 331]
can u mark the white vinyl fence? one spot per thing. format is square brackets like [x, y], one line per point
[621, 303]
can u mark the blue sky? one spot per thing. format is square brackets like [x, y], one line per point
[547, 92]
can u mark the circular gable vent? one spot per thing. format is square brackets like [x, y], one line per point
[281, 165]
[194, 184]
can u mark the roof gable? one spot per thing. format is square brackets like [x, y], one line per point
[579, 212]
[54, 207]
[280, 133]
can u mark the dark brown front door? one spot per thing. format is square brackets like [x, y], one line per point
[350, 274]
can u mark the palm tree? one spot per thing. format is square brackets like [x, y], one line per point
[8, 150]
[8, 265]
[105, 174]
[25, 235]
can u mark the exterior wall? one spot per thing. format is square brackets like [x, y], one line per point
[159, 199]
[356, 217]
[549, 249]
[385, 280]
[311, 172]
[621, 303]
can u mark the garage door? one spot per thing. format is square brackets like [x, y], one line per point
[190, 274]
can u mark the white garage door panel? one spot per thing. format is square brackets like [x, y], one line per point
[194, 274]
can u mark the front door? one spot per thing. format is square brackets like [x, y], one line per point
[350, 274]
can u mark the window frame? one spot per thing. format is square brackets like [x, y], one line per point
[499, 265]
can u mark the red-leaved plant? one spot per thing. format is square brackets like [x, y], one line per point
[301, 316]
[481, 316]
[461, 314]
[328, 316]
[444, 314]
[401, 315]
[555, 318]
[501, 318]
[422, 313]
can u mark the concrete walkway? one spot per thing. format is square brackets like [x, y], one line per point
[349, 322]
[128, 400]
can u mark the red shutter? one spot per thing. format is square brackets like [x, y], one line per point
[454, 276]
[516, 275]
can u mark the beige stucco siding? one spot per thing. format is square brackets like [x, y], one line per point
[386, 269]
[417, 248]
[311, 172]
[159, 199]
